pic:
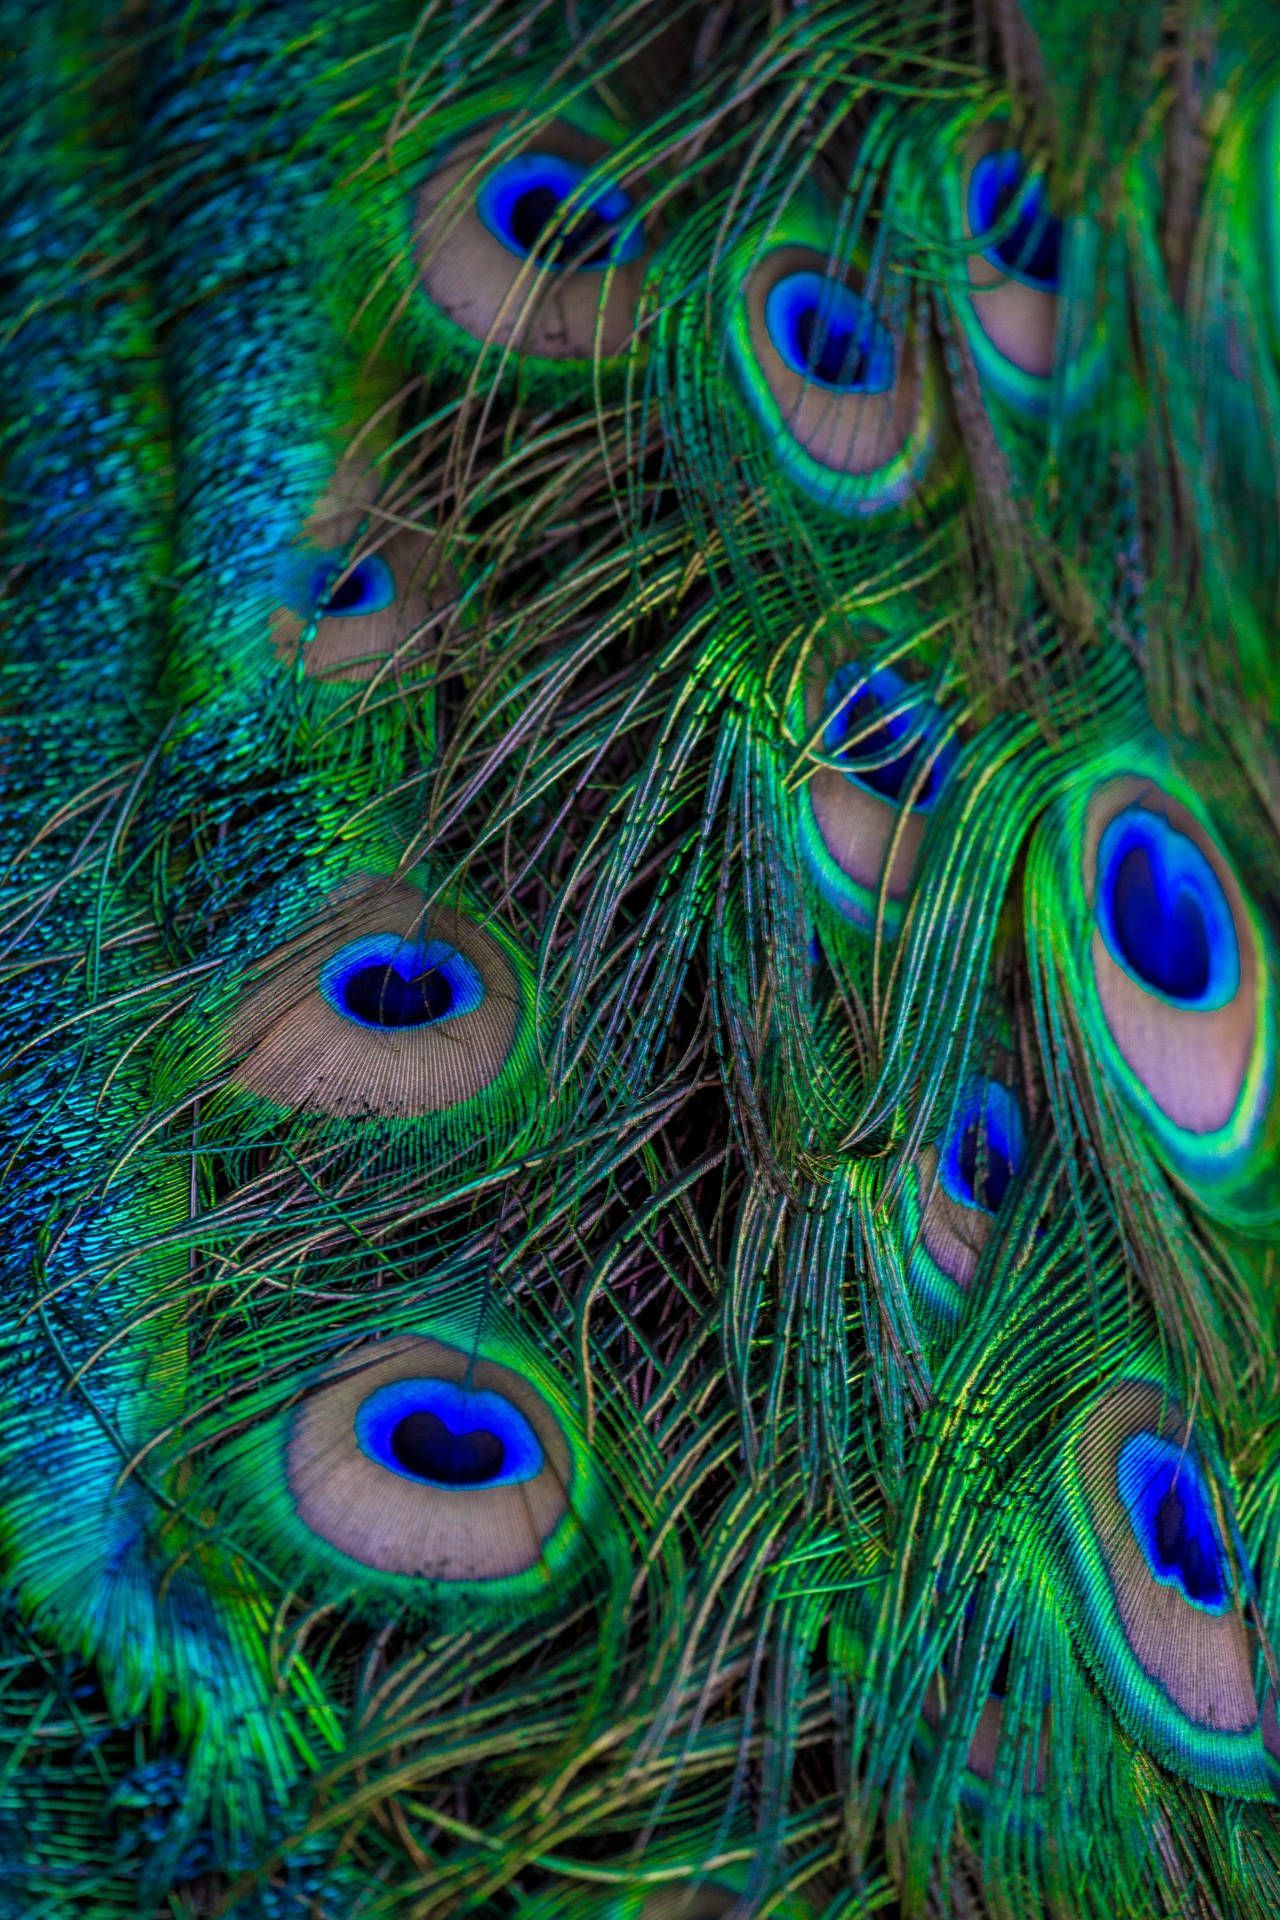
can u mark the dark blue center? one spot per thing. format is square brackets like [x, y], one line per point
[1172, 1516]
[982, 1151]
[383, 982]
[1028, 246]
[829, 334]
[423, 1445]
[1163, 913]
[447, 1434]
[536, 205]
[387, 996]
[1163, 939]
[367, 587]
[864, 733]
[986, 1169]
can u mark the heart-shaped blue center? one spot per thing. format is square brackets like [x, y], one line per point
[448, 1435]
[382, 982]
[1163, 914]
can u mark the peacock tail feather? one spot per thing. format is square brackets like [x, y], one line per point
[640, 1106]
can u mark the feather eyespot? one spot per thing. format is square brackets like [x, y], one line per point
[1164, 968]
[886, 755]
[1015, 249]
[542, 251]
[355, 616]
[1178, 968]
[1171, 1515]
[955, 1190]
[831, 367]
[887, 736]
[1161, 1618]
[375, 613]
[385, 1008]
[416, 1458]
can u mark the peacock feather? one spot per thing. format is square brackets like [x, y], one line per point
[641, 1100]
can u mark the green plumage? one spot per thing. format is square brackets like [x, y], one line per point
[640, 787]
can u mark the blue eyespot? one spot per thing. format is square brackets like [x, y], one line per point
[1163, 914]
[525, 198]
[367, 587]
[1171, 1513]
[447, 1435]
[383, 982]
[319, 585]
[984, 1146]
[1029, 245]
[857, 733]
[829, 334]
